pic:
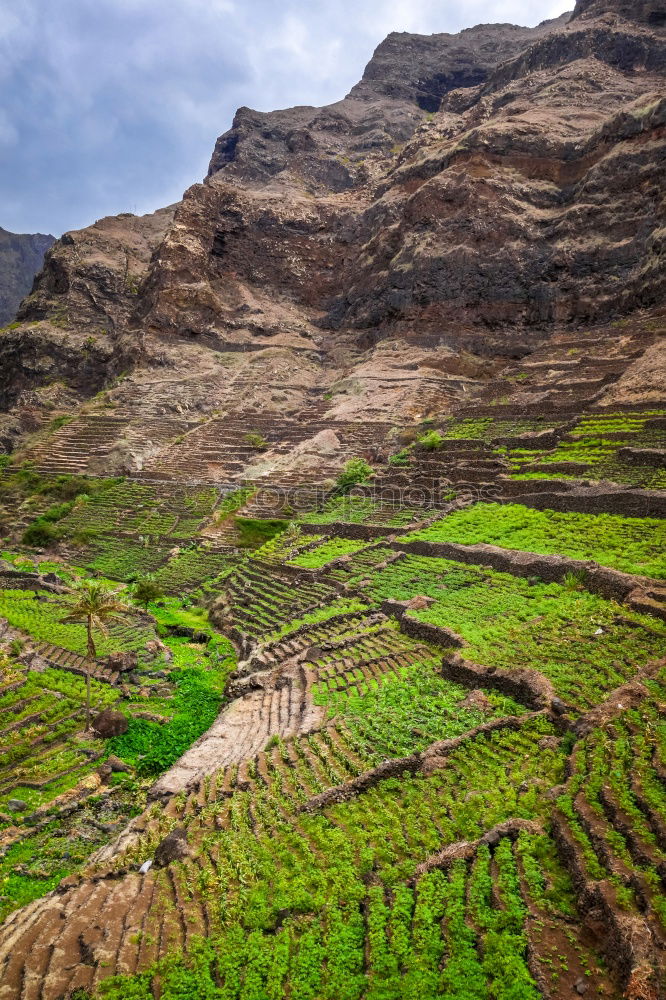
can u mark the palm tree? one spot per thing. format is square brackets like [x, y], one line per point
[95, 607]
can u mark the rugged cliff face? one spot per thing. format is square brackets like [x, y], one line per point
[384, 256]
[21, 257]
[71, 326]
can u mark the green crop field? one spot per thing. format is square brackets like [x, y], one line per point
[389, 775]
[631, 544]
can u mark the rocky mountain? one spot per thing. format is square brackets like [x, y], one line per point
[375, 417]
[21, 257]
[471, 195]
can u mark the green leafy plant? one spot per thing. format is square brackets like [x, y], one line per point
[355, 472]
[431, 441]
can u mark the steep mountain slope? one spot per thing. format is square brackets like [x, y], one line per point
[21, 257]
[383, 403]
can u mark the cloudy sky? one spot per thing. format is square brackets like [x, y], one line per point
[111, 106]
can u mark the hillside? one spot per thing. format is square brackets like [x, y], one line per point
[21, 257]
[367, 435]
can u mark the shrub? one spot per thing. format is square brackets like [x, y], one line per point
[254, 531]
[145, 591]
[431, 441]
[60, 421]
[400, 458]
[40, 533]
[57, 511]
[256, 440]
[83, 536]
[355, 471]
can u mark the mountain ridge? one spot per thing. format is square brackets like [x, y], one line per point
[21, 257]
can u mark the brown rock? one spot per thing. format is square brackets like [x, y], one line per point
[419, 602]
[117, 765]
[110, 723]
[548, 743]
[122, 661]
[172, 848]
[477, 699]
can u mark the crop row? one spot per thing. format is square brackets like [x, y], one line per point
[38, 721]
[190, 569]
[362, 510]
[407, 708]
[316, 905]
[465, 933]
[615, 804]
[141, 510]
[326, 551]
[631, 544]
[261, 602]
[40, 614]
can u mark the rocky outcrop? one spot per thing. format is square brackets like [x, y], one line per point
[71, 326]
[328, 148]
[21, 257]
[650, 12]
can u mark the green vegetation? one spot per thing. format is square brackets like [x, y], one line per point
[322, 905]
[331, 548]
[256, 440]
[355, 472]
[616, 772]
[153, 747]
[254, 531]
[631, 544]
[41, 615]
[360, 510]
[407, 710]
[145, 591]
[431, 440]
[341, 839]
[583, 643]
[594, 444]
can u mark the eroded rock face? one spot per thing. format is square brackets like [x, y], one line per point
[650, 12]
[21, 257]
[73, 322]
[500, 179]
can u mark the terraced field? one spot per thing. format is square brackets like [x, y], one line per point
[382, 751]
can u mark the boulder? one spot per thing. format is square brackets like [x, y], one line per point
[172, 848]
[154, 647]
[17, 805]
[117, 765]
[104, 771]
[122, 662]
[110, 723]
[419, 602]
